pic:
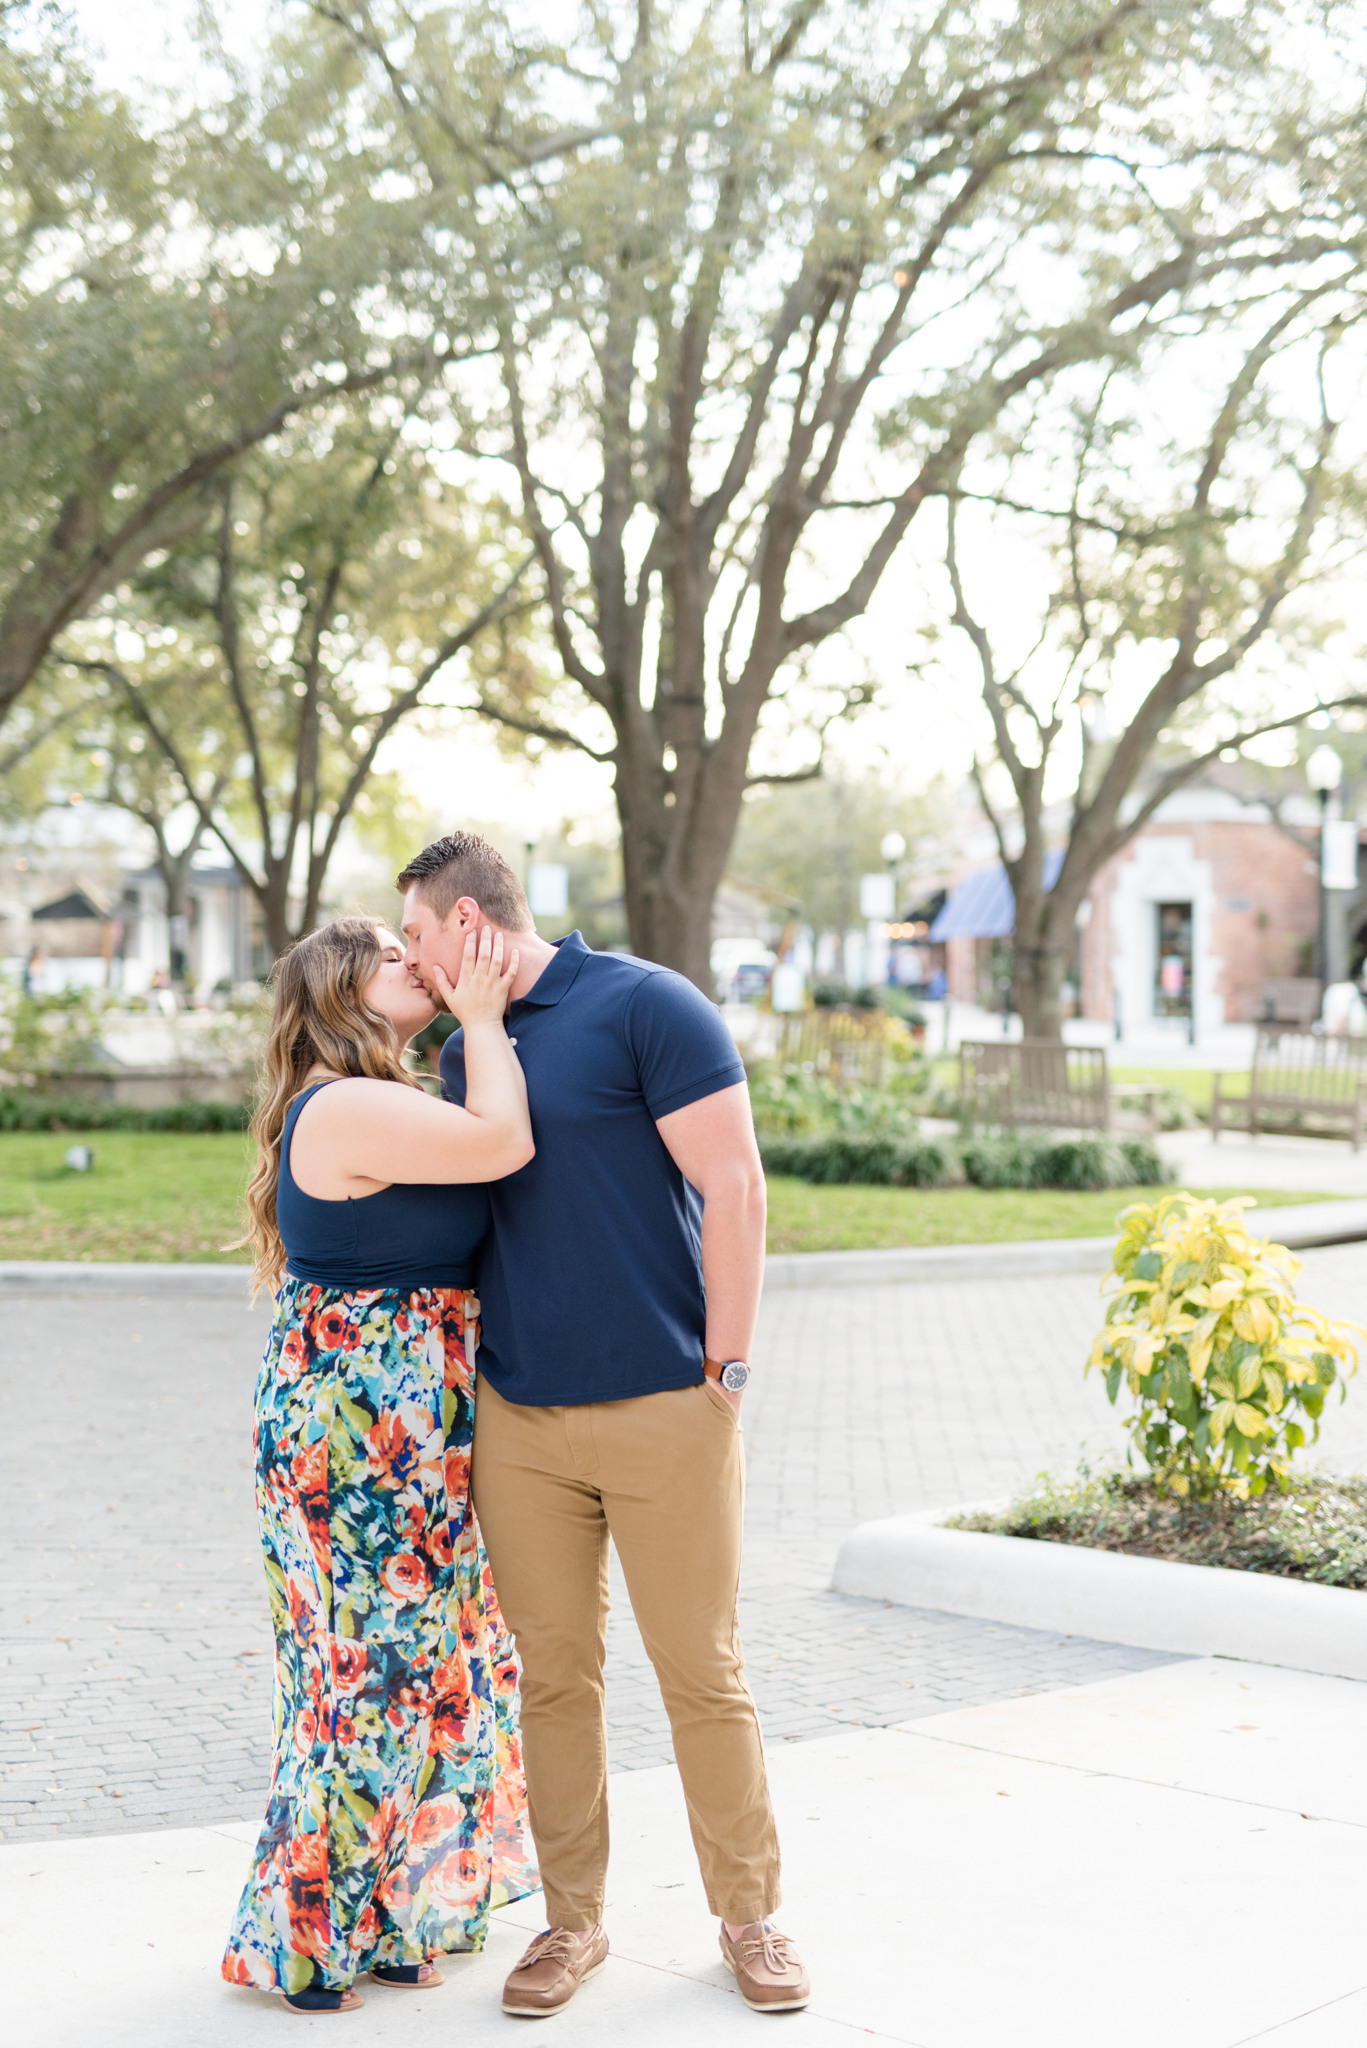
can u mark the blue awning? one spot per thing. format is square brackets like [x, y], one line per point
[982, 907]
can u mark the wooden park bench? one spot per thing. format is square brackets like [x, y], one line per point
[1037, 1082]
[848, 1045]
[1308, 1081]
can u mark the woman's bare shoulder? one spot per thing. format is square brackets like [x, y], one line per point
[353, 1095]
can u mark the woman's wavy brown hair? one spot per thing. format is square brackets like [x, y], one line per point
[319, 1018]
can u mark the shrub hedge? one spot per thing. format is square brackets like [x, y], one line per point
[874, 1160]
[1033, 1160]
[22, 1111]
[1037, 1159]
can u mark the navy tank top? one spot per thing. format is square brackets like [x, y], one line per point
[407, 1235]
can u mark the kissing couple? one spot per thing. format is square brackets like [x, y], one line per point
[509, 1325]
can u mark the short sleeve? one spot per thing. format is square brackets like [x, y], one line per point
[452, 1068]
[683, 1051]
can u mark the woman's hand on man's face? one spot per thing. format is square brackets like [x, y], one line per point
[480, 995]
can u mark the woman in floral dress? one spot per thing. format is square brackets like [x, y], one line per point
[396, 1816]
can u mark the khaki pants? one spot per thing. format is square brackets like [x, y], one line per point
[664, 1475]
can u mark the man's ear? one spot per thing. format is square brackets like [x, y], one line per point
[465, 914]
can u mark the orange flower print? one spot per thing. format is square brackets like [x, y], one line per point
[439, 1545]
[309, 1471]
[456, 1880]
[394, 1893]
[294, 1355]
[330, 1329]
[392, 1451]
[381, 1826]
[348, 1665]
[305, 1731]
[366, 1931]
[308, 1893]
[434, 1820]
[405, 1576]
[303, 1617]
[451, 1727]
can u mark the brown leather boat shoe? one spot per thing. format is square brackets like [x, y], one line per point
[552, 1970]
[767, 1970]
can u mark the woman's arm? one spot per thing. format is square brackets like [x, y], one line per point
[356, 1136]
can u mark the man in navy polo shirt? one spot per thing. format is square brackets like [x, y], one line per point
[620, 1284]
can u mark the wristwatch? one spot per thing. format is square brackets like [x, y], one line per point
[732, 1374]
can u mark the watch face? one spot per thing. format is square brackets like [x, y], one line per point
[734, 1376]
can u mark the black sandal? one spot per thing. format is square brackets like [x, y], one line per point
[407, 1976]
[310, 2003]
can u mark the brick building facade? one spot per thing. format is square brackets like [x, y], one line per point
[1213, 888]
[1208, 904]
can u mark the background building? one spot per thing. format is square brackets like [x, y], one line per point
[1199, 923]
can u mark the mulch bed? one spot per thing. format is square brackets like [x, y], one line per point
[1315, 1529]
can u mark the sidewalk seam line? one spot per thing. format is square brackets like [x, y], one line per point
[1297, 2017]
[1125, 1778]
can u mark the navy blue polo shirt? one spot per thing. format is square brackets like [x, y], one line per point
[590, 1279]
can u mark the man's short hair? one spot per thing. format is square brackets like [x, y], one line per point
[463, 864]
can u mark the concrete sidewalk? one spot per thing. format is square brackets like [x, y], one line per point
[1176, 1856]
[1326, 1166]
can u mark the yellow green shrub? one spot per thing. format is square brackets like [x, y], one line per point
[1229, 1371]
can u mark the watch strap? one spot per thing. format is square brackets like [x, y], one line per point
[714, 1368]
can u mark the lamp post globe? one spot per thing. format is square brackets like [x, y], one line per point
[1324, 771]
[892, 846]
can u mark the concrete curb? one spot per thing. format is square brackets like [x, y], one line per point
[1197, 1609]
[1301, 1226]
[42, 1276]
[938, 1262]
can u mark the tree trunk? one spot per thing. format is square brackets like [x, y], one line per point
[672, 869]
[1043, 948]
[1038, 989]
[677, 827]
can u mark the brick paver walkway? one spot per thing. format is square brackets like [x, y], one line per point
[134, 1644]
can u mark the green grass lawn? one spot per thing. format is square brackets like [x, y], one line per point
[1197, 1084]
[177, 1196]
[160, 1195]
[803, 1218]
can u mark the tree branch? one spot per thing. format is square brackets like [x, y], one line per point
[224, 608]
[538, 729]
[171, 752]
[1177, 777]
[108, 556]
[32, 741]
[407, 701]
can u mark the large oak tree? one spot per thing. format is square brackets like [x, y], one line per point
[1194, 496]
[758, 278]
[267, 660]
[178, 286]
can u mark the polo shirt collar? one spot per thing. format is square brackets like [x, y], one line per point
[557, 976]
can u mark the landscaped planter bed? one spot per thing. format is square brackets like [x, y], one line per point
[1313, 1528]
[1115, 1596]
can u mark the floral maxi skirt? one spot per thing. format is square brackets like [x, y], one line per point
[397, 1812]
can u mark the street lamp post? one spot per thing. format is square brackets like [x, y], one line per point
[1324, 772]
[892, 846]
